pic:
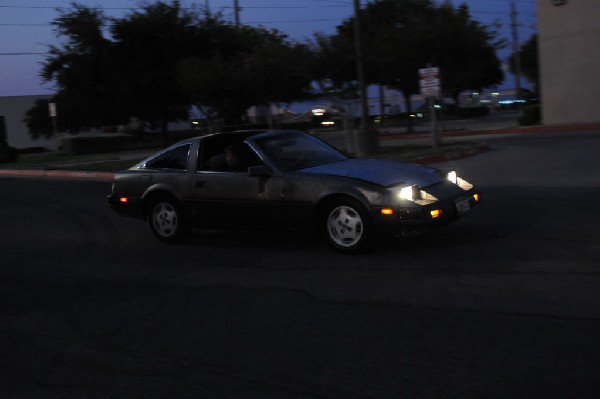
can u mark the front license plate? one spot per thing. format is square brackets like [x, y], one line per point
[462, 205]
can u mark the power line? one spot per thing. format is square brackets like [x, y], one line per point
[4, 54]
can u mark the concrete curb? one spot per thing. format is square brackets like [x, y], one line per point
[481, 132]
[57, 173]
[458, 154]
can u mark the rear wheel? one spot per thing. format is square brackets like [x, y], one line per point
[347, 226]
[166, 220]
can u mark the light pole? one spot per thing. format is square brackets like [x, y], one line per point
[364, 107]
[236, 12]
[365, 140]
[516, 49]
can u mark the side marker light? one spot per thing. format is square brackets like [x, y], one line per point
[123, 200]
[387, 211]
[476, 197]
[435, 213]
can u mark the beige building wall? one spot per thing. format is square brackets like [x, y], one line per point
[17, 134]
[569, 55]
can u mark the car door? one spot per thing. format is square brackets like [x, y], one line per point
[236, 199]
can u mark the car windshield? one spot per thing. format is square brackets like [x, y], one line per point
[295, 151]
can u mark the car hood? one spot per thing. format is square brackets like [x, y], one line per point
[382, 172]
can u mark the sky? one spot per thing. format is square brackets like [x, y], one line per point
[26, 31]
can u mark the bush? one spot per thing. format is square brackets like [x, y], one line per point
[8, 154]
[531, 115]
[472, 112]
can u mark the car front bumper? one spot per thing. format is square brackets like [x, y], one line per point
[131, 207]
[420, 219]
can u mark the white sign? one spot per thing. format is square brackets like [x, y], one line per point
[52, 109]
[429, 81]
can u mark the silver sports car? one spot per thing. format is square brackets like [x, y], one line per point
[287, 180]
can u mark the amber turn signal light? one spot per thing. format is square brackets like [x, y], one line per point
[435, 213]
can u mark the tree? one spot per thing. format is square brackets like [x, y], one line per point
[38, 120]
[150, 43]
[82, 71]
[247, 66]
[417, 33]
[392, 62]
[465, 51]
[529, 62]
[157, 61]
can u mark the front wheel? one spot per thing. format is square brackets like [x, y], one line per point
[166, 220]
[348, 227]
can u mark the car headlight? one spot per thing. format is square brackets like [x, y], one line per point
[452, 176]
[462, 183]
[413, 194]
[410, 193]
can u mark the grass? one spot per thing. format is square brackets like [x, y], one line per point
[60, 161]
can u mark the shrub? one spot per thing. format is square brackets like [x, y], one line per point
[531, 115]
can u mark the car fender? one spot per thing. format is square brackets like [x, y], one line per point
[159, 189]
[368, 196]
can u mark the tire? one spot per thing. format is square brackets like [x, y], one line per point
[166, 220]
[347, 226]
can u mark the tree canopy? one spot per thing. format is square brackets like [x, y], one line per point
[154, 63]
[399, 37]
[528, 54]
[158, 61]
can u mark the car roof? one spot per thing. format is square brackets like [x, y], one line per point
[242, 134]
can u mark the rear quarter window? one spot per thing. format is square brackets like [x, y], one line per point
[173, 159]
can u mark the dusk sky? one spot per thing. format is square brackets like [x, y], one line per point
[26, 31]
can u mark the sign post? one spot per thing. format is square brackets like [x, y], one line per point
[429, 83]
[52, 113]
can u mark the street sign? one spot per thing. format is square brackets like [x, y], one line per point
[429, 81]
[52, 109]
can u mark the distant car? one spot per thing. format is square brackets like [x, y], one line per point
[287, 180]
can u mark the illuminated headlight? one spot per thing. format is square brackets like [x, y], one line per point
[407, 193]
[414, 194]
[454, 178]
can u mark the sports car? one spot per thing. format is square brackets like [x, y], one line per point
[287, 180]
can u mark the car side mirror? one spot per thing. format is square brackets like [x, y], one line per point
[259, 171]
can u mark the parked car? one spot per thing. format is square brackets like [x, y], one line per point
[287, 180]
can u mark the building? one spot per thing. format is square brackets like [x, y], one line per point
[12, 112]
[569, 57]
[15, 134]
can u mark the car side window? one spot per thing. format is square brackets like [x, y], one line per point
[228, 157]
[175, 159]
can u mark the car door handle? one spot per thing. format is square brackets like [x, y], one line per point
[200, 184]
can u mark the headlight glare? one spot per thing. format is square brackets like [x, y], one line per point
[407, 193]
[462, 183]
[453, 177]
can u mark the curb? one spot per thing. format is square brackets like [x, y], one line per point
[57, 173]
[452, 155]
[466, 133]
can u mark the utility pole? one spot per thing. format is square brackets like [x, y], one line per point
[365, 139]
[516, 48]
[364, 106]
[236, 12]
